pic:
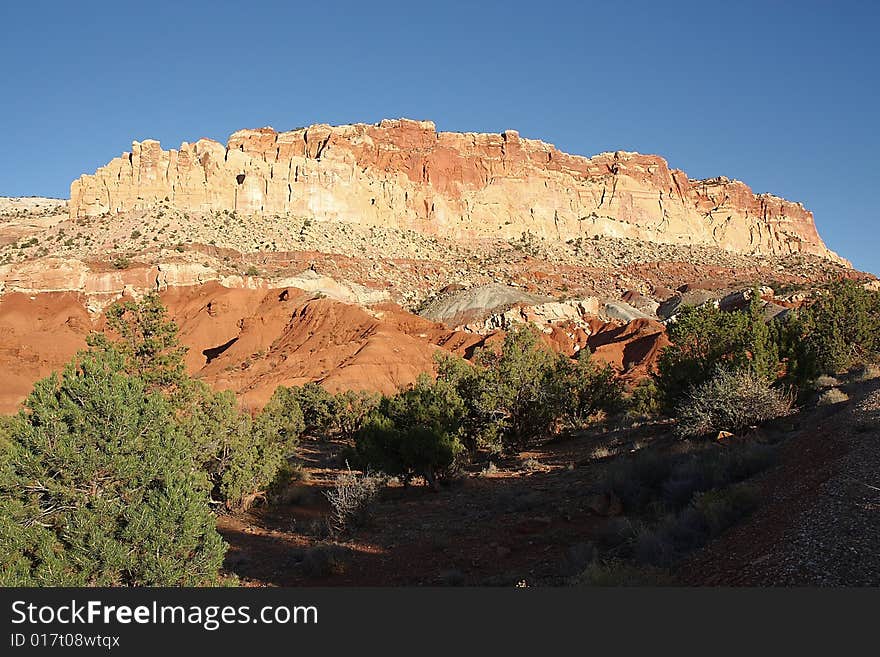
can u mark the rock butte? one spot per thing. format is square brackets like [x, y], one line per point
[405, 174]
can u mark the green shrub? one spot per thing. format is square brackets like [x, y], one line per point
[148, 343]
[709, 514]
[645, 400]
[705, 337]
[798, 358]
[524, 391]
[841, 327]
[636, 481]
[518, 382]
[413, 433]
[6, 424]
[321, 413]
[241, 455]
[319, 408]
[721, 508]
[481, 425]
[582, 389]
[730, 401]
[282, 419]
[100, 486]
[351, 410]
[668, 480]
[288, 485]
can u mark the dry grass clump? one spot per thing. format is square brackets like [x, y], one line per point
[325, 559]
[602, 452]
[826, 381]
[352, 499]
[867, 372]
[832, 396]
[730, 401]
[620, 573]
[532, 465]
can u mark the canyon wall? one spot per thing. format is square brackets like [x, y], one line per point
[404, 174]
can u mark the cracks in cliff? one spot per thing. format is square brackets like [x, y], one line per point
[678, 188]
[613, 190]
[752, 240]
[664, 216]
[721, 226]
[613, 169]
[322, 145]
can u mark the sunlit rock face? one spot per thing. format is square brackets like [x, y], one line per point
[405, 174]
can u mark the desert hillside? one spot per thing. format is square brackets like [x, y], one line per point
[348, 255]
[730, 384]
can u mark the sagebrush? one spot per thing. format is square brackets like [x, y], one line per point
[732, 400]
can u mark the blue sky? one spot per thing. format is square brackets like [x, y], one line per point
[782, 95]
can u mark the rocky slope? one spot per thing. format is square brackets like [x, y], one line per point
[349, 255]
[404, 174]
[251, 340]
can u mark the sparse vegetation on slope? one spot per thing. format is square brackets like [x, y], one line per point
[726, 371]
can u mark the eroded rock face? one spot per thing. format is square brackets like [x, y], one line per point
[251, 340]
[405, 174]
[102, 286]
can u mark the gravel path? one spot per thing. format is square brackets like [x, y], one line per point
[819, 524]
[837, 542]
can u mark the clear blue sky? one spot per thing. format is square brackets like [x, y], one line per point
[782, 95]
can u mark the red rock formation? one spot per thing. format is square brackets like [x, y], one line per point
[38, 334]
[405, 174]
[253, 340]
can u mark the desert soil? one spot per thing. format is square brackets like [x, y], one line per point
[528, 518]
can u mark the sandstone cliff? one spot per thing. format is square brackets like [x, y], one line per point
[405, 174]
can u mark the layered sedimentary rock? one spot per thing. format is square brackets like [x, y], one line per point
[253, 340]
[405, 174]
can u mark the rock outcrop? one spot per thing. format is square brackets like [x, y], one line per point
[404, 174]
[251, 340]
[102, 286]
